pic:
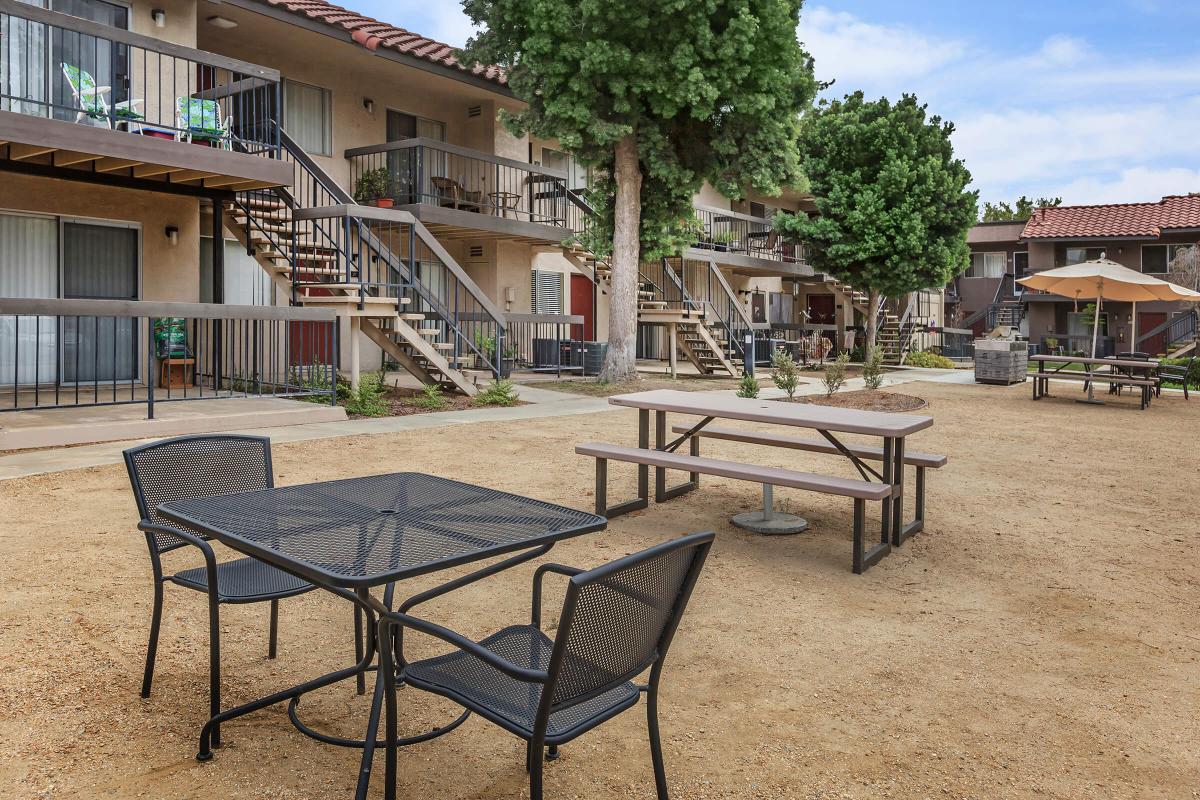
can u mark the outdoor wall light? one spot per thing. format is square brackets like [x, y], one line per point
[160, 18]
[172, 234]
[369, 105]
[221, 22]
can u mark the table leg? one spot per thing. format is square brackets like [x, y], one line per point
[899, 531]
[644, 443]
[889, 464]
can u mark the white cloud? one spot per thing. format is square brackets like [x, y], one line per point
[859, 54]
[1061, 119]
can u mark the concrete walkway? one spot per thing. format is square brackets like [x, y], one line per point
[541, 403]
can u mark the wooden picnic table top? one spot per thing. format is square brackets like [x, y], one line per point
[1111, 362]
[799, 415]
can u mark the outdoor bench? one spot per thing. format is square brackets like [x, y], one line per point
[1041, 382]
[922, 461]
[859, 490]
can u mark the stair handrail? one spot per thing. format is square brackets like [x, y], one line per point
[1184, 323]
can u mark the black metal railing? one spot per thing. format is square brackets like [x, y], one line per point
[1177, 330]
[956, 344]
[428, 172]
[1065, 344]
[72, 353]
[544, 343]
[63, 67]
[725, 231]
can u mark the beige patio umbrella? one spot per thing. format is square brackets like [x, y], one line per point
[1102, 280]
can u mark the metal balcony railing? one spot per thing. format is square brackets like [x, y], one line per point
[62, 67]
[725, 231]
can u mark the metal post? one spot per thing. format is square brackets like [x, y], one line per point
[218, 284]
[149, 368]
[749, 353]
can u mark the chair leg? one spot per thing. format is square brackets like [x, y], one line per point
[214, 664]
[152, 647]
[536, 752]
[387, 665]
[660, 772]
[274, 636]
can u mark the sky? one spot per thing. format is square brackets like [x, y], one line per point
[1094, 101]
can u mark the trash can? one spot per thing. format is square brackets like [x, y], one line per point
[593, 357]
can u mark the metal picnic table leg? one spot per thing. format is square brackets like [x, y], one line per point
[900, 532]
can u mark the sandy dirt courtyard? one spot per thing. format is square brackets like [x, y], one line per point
[1039, 639]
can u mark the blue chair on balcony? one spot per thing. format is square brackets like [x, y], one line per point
[199, 120]
[92, 100]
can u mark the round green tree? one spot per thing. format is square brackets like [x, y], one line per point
[892, 206]
[659, 96]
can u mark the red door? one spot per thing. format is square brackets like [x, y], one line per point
[1148, 321]
[822, 309]
[581, 305]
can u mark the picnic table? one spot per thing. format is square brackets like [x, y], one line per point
[352, 536]
[885, 485]
[1135, 373]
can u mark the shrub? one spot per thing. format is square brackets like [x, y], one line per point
[747, 387]
[1193, 376]
[430, 397]
[927, 360]
[873, 370]
[835, 374]
[368, 400]
[500, 392]
[371, 185]
[785, 374]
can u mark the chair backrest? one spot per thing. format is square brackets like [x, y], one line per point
[190, 467]
[193, 113]
[618, 619]
[83, 86]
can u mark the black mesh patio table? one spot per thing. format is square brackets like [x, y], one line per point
[349, 536]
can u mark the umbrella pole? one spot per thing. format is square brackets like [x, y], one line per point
[1091, 385]
[1133, 338]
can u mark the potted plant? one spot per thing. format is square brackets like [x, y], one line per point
[721, 240]
[510, 359]
[372, 188]
[1051, 345]
[124, 116]
[486, 345]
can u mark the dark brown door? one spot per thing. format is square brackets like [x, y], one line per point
[822, 309]
[581, 305]
[1148, 321]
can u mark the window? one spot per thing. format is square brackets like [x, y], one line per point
[987, 265]
[546, 292]
[1157, 258]
[308, 117]
[1066, 256]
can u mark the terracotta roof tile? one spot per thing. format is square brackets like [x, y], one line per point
[1143, 220]
[372, 34]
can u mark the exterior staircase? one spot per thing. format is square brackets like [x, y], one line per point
[341, 260]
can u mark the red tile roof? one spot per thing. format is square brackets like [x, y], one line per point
[373, 34]
[1140, 220]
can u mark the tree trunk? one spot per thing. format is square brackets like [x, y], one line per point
[872, 324]
[621, 362]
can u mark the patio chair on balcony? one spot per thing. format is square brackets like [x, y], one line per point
[93, 100]
[190, 467]
[617, 622]
[451, 194]
[199, 120]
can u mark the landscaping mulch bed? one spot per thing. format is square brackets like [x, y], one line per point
[866, 400]
[402, 403]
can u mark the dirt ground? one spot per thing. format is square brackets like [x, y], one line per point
[1038, 639]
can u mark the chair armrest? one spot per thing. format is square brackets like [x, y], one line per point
[392, 620]
[190, 538]
[558, 569]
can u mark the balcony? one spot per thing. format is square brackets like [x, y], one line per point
[460, 193]
[87, 101]
[746, 243]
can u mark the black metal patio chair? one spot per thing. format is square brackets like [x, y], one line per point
[190, 467]
[617, 621]
[1174, 373]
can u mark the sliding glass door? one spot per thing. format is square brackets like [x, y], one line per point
[99, 262]
[28, 269]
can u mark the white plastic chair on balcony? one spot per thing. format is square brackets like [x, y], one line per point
[201, 119]
[93, 101]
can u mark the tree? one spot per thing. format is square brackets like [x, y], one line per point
[1003, 212]
[892, 206]
[658, 96]
[1184, 268]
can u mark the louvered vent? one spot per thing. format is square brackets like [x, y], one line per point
[475, 251]
[474, 111]
[546, 292]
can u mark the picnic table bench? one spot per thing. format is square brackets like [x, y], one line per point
[1119, 372]
[887, 488]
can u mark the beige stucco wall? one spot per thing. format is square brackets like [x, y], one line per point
[181, 23]
[169, 273]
